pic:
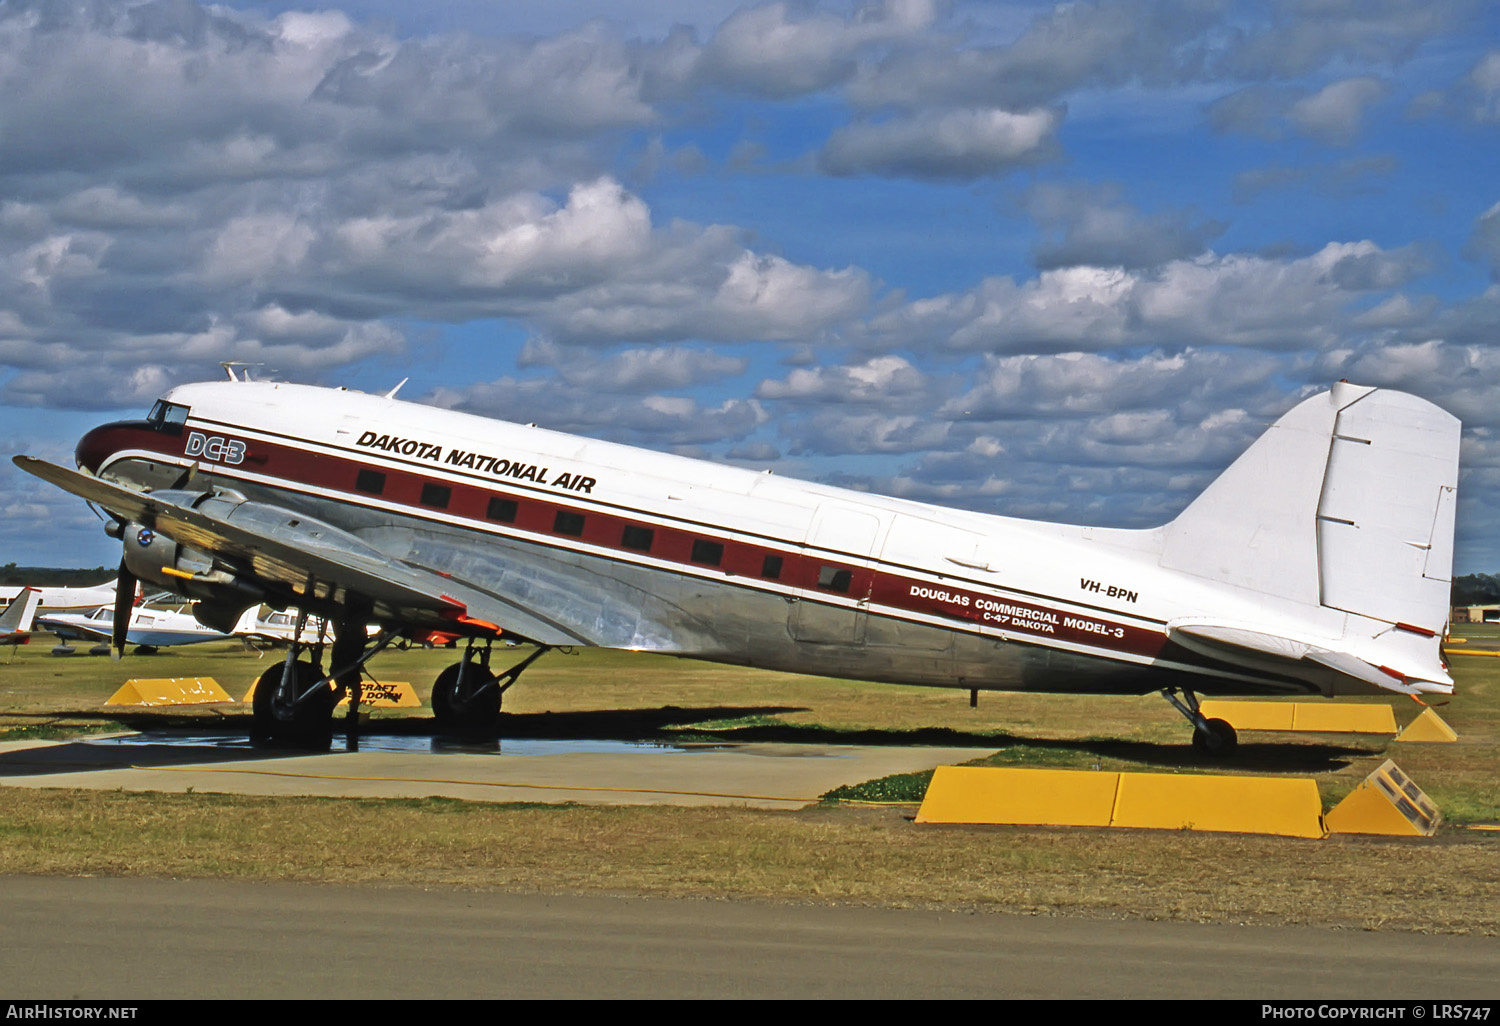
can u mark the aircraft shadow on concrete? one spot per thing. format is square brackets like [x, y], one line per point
[209, 741]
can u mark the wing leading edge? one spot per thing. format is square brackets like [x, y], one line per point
[298, 560]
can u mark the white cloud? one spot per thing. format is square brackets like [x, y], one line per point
[1093, 226]
[1484, 242]
[1236, 299]
[784, 49]
[1335, 113]
[632, 370]
[1483, 85]
[876, 380]
[657, 421]
[956, 144]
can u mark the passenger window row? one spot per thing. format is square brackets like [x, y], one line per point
[705, 551]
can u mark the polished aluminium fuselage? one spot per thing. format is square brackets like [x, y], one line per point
[641, 550]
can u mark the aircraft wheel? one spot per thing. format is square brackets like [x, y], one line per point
[1219, 740]
[307, 723]
[476, 708]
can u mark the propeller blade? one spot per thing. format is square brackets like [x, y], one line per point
[124, 604]
[186, 477]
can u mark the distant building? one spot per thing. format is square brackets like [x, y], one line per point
[1476, 614]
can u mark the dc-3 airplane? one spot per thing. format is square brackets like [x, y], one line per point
[1318, 563]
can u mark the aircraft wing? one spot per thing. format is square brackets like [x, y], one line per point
[285, 553]
[72, 627]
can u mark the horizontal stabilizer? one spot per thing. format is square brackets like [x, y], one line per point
[1197, 636]
[1233, 641]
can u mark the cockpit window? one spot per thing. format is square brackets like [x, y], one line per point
[167, 417]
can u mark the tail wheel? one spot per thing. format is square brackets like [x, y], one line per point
[473, 704]
[278, 715]
[1219, 740]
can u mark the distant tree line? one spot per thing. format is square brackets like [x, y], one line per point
[1476, 590]
[54, 577]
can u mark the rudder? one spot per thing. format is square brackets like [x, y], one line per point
[1347, 501]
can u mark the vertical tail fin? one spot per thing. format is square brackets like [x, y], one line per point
[19, 615]
[1347, 501]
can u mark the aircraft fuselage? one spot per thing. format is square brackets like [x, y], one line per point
[634, 549]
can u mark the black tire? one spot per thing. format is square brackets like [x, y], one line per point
[1218, 741]
[309, 722]
[476, 709]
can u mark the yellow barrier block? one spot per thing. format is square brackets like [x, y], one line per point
[1318, 717]
[1428, 727]
[1343, 718]
[1250, 715]
[169, 691]
[387, 694]
[1246, 805]
[1388, 802]
[986, 794]
[1263, 805]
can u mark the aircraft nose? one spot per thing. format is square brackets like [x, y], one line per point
[93, 448]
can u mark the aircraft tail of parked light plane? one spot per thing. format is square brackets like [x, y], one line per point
[1318, 563]
[15, 622]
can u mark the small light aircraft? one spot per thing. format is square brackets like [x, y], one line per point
[150, 628]
[1318, 563]
[64, 600]
[281, 627]
[15, 622]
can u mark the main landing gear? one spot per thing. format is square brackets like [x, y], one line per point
[1215, 737]
[294, 701]
[466, 696]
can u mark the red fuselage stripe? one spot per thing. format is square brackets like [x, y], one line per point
[537, 511]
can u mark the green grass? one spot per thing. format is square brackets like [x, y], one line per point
[899, 788]
[838, 850]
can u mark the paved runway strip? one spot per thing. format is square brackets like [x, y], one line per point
[127, 939]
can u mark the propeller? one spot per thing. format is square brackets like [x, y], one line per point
[186, 477]
[125, 586]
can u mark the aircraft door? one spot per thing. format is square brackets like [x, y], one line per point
[832, 606]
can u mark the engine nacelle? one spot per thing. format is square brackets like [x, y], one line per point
[160, 560]
[149, 554]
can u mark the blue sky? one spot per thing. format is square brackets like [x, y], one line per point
[1060, 261]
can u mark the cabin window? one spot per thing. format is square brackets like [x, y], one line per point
[167, 418]
[638, 538]
[436, 495]
[708, 552]
[771, 568]
[370, 481]
[568, 522]
[831, 578]
[503, 510]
